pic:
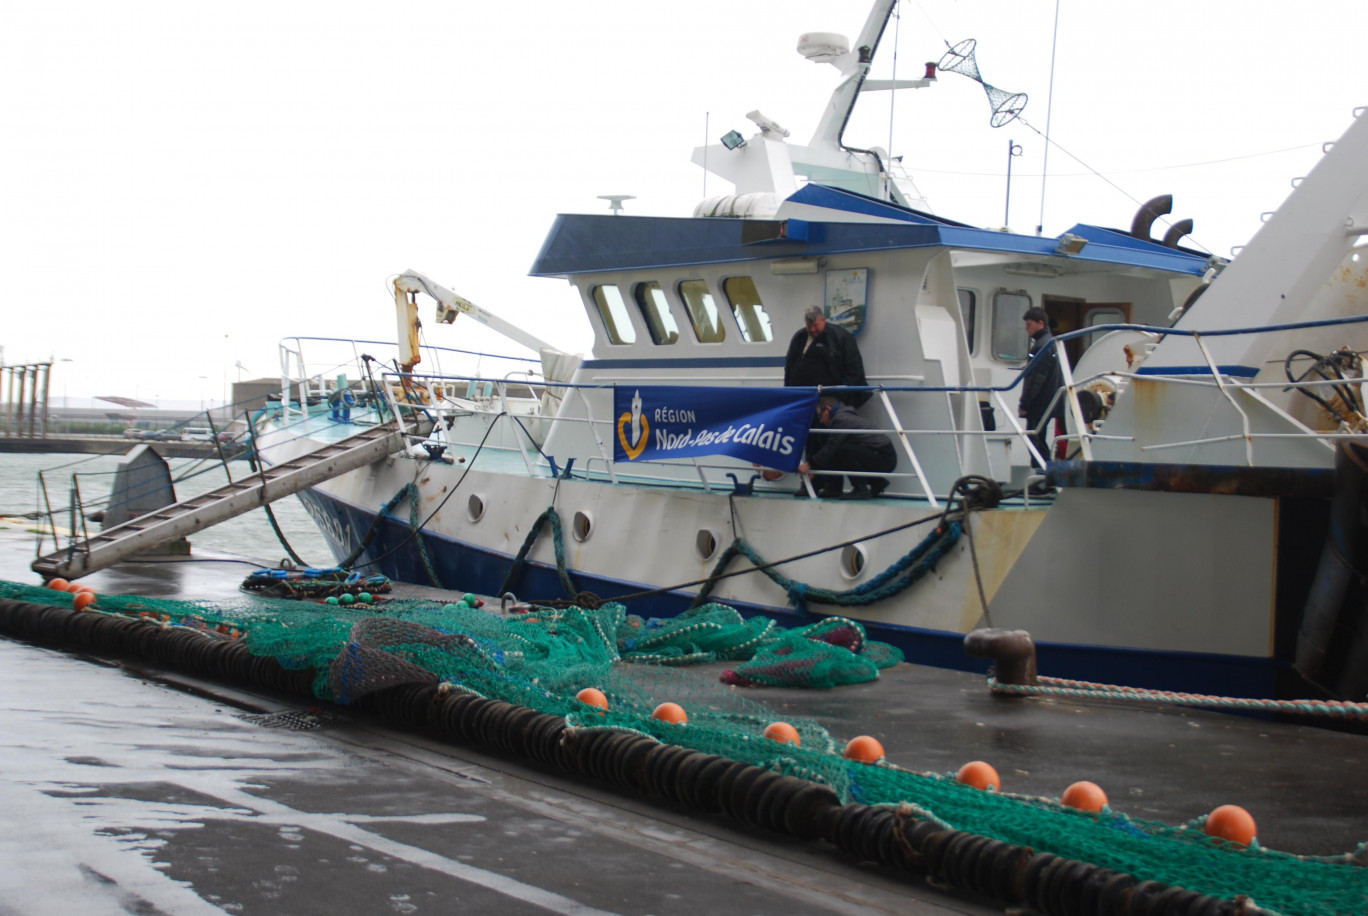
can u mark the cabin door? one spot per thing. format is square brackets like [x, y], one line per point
[1068, 314]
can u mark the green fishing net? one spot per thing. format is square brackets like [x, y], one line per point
[542, 658]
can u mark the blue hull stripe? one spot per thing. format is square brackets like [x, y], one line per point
[1232, 371]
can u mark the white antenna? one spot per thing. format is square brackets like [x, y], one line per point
[615, 201]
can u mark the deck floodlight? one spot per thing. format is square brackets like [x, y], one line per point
[732, 139]
[1070, 244]
[791, 266]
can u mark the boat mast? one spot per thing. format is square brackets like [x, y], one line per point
[854, 64]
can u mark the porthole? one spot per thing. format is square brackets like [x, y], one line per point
[581, 526]
[706, 542]
[475, 507]
[852, 561]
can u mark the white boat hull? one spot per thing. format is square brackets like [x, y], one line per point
[1170, 589]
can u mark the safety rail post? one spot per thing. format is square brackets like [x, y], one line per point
[907, 448]
[51, 520]
[959, 434]
[702, 475]
[1220, 383]
[78, 508]
[218, 446]
[1071, 394]
[501, 386]
[393, 402]
[1017, 427]
[593, 428]
[285, 354]
[256, 451]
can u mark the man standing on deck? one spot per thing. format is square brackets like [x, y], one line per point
[825, 354]
[1041, 380]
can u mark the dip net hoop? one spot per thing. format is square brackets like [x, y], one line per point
[1007, 106]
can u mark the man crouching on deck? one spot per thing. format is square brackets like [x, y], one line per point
[848, 451]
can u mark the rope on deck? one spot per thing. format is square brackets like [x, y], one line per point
[1063, 687]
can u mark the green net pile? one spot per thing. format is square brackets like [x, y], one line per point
[543, 658]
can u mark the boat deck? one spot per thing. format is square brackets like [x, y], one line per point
[132, 789]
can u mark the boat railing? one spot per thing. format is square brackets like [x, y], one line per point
[313, 378]
[1238, 393]
[506, 416]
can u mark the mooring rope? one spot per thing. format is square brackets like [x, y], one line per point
[1062, 687]
[411, 491]
[899, 575]
[552, 517]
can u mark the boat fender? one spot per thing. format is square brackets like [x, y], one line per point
[1012, 652]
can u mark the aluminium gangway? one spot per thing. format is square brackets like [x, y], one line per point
[144, 532]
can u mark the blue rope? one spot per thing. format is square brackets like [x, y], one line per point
[901, 574]
[415, 523]
[557, 539]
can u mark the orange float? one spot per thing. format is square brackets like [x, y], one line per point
[592, 696]
[980, 775]
[783, 733]
[73, 587]
[864, 749]
[82, 600]
[1233, 823]
[57, 584]
[1085, 796]
[670, 712]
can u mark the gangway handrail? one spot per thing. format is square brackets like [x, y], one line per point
[142, 532]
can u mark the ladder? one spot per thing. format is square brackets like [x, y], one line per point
[145, 532]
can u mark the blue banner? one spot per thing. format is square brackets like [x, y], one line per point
[766, 426]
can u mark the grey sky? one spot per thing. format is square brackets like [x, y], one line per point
[185, 184]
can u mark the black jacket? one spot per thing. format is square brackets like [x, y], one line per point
[833, 359]
[845, 417]
[1042, 379]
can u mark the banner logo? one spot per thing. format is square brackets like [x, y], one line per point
[641, 429]
[766, 426]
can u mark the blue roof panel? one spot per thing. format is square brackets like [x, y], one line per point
[598, 243]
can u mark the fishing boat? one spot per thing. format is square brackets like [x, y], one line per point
[1178, 541]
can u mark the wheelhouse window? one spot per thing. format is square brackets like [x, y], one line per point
[968, 303]
[1010, 340]
[750, 314]
[650, 298]
[613, 311]
[702, 309]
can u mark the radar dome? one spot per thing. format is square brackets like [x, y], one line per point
[823, 47]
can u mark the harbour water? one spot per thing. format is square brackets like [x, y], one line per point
[250, 536]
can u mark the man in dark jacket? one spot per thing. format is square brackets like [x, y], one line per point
[1042, 379]
[825, 354]
[847, 451]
